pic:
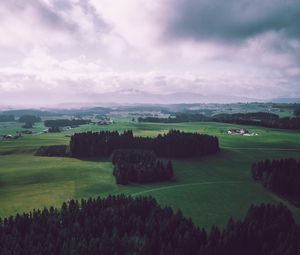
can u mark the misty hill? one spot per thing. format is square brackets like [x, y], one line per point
[21, 112]
[142, 97]
[286, 100]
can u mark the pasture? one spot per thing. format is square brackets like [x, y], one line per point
[208, 189]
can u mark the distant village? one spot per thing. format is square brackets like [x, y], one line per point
[99, 120]
[102, 122]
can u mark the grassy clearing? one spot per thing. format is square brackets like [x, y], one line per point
[28, 182]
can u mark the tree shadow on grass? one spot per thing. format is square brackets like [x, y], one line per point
[96, 159]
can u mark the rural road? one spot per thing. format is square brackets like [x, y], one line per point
[185, 185]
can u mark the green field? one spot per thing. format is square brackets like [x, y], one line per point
[209, 189]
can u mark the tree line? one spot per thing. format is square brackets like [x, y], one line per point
[172, 144]
[291, 123]
[192, 117]
[263, 119]
[7, 117]
[140, 166]
[30, 119]
[65, 122]
[126, 225]
[268, 120]
[280, 176]
[27, 119]
[53, 151]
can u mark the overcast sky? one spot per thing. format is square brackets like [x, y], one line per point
[54, 51]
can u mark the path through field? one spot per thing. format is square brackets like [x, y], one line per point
[185, 185]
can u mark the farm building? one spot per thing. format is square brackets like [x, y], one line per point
[240, 131]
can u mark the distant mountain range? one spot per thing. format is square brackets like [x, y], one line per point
[141, 97]
[133, 97]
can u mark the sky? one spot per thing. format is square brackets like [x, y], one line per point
[60, 51]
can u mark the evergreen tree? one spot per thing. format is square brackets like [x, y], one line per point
[281, 176]
[126, 225]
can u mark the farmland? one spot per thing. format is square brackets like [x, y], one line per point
[209, 189]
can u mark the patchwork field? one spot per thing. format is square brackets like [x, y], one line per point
[209, 189]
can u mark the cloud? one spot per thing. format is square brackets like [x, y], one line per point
[232, 20]
[41, 22]
[64, 50]
[42, 78]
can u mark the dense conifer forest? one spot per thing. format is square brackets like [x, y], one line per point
[140, 166]
[292, 123]
[126, 225]
[173, 144]
[280, 176]
[65, 122]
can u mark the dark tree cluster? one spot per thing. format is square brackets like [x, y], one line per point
[297, 111]
[7, 118]
[266, 230]
[268, 120]
[173, 144]
[248, 116]
[263, 119]
[281, 176]
[65, 122]
[54, 129]
[53, 151]
[132, 156]
[125, 225]
[27, 125]
[29, 119]
[252, 117]
[288, 123]
[140, 166]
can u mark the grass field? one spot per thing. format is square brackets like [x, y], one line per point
[209, 189]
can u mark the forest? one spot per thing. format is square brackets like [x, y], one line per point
[175, 144]
[140, 166]
[6, 117]
[280, 176]
[292, 123]
[65, 122]
[126, 225]
[29, 119]
[263, 119]
[192, 117]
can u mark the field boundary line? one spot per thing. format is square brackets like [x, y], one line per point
[260, 148]
[186, 185]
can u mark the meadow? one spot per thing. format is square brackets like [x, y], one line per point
[208, 189]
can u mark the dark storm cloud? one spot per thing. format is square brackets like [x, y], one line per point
[63, 4]
[46, 15]
[233, 20]
[52, 18]
[89, 9]
[55, 15]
